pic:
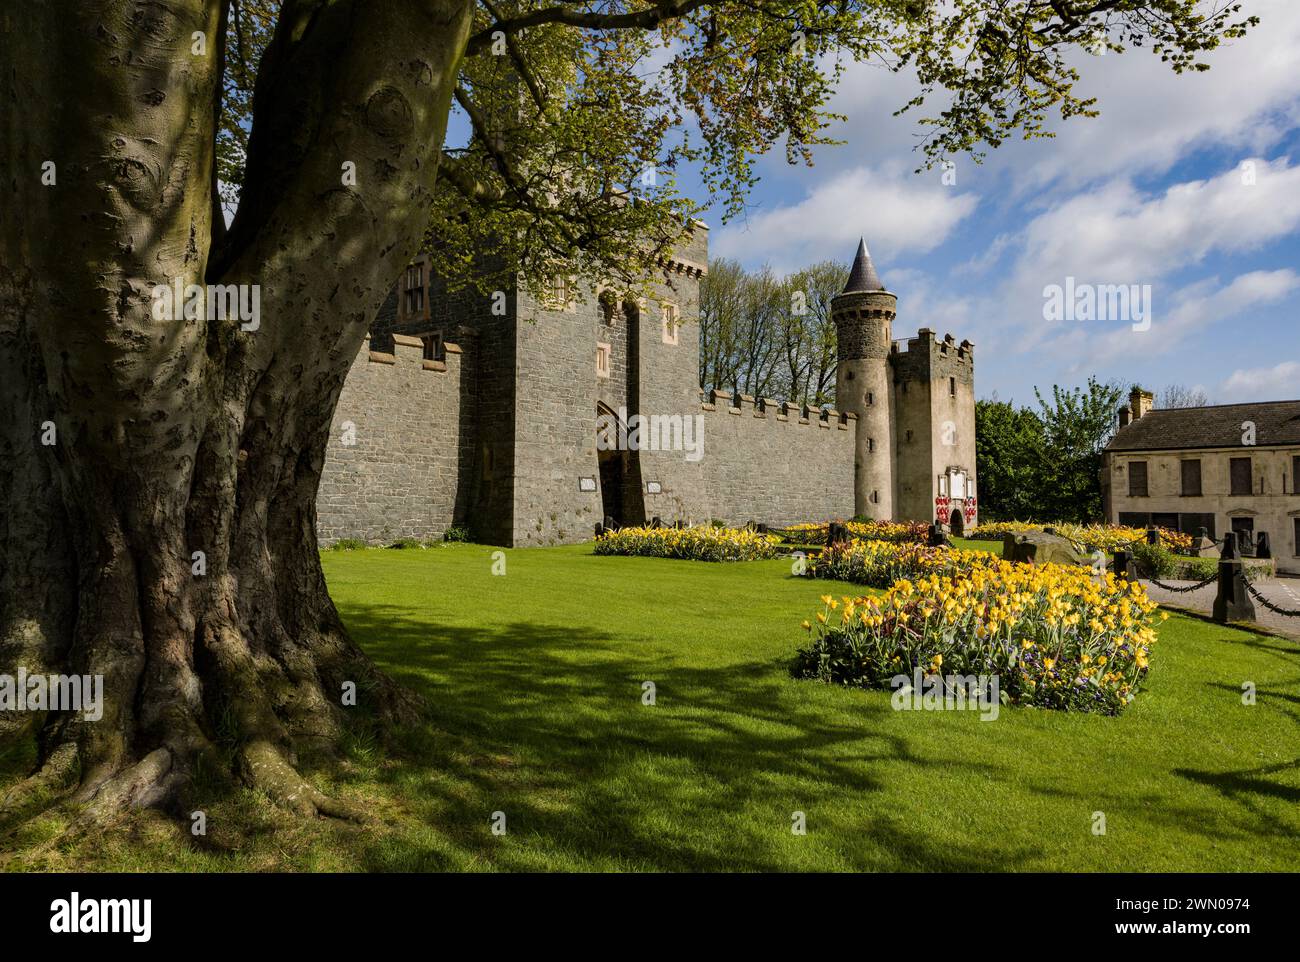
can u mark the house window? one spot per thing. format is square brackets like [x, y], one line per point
[1137, 479]
[602, 360]
[1296, 542]
[672, 322]
[1191, 479]
[943, 485]
[1295, 475]
[559, 292]
[952, 387]
[1242, 476]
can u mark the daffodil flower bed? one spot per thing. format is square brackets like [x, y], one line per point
[898, 532]
[1055, 636]
[878, 564]
[699, 543]
[1094, 537]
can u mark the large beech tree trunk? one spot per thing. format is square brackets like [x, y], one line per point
[176, 437]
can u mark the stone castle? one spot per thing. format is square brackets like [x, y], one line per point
[529, 420]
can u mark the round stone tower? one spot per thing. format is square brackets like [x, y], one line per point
[864, 321]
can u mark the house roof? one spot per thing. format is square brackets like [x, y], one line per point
[1276, 423]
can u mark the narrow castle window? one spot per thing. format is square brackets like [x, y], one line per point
[952, 387]
[414, 293]
[871, 445]
[871, 399]
[672, 322]
[602, 360]
[875, 497]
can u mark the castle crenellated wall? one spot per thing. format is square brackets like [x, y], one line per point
[761, 461]
[776, 463]
[393, 466]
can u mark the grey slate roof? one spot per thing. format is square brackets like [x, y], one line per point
[863, 277]
[1276, 423]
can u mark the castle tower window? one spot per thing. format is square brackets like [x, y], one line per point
[558, 295]
[952, 387]
[871, 445]
[672, 322]
[875, 497]
[413, 295]
[608, 307]
[871, 399]
[602, 360]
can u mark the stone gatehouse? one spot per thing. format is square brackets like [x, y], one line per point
[530, 420]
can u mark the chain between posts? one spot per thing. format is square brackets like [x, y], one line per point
[1254, 593]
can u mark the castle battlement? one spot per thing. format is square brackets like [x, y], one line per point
[927, 355]
[410, 350]
[770, 409]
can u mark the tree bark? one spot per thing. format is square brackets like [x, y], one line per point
[193, 435]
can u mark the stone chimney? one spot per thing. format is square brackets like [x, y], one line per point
[1140, 402]
[1125, 416]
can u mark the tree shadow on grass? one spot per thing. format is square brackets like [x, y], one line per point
[549, 727]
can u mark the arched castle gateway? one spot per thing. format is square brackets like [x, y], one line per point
[529, 420]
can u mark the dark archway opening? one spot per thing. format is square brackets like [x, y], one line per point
[622, 499]
[957, 523]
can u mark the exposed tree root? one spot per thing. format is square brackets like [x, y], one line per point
[49, 779]
[263, 766]
[149, 782]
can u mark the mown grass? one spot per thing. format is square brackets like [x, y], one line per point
[535, 684]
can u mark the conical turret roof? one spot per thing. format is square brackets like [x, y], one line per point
[863, 277]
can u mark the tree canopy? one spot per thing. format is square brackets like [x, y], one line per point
[584, 113]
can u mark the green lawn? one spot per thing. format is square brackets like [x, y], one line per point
[535, 679]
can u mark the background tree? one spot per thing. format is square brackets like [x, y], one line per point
[808, 336]
[1077, 424]
[767, 337]
[1010, 446]
[1182, 396]
[165, 472]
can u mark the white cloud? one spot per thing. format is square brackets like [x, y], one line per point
[1114, 234]
[1088, 346]
[1276, 383]
[898, 214]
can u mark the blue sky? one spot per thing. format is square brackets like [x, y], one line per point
[1189, 184]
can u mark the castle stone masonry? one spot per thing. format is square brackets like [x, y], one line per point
[491, 411]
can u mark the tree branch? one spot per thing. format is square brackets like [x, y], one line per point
[646, 19]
